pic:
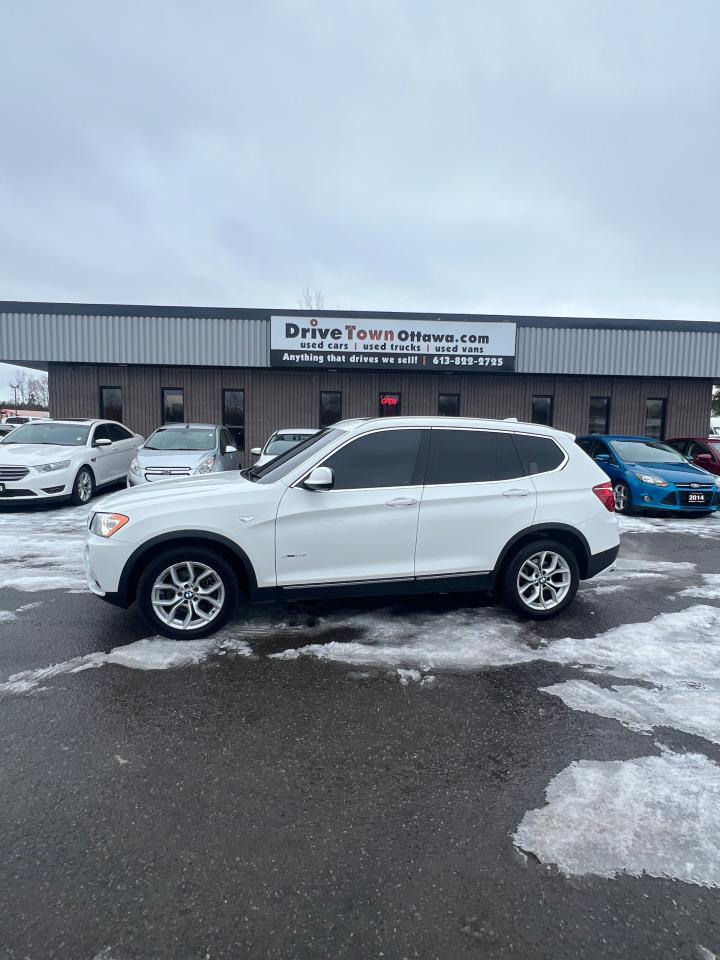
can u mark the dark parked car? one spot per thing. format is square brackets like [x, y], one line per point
[703, 451]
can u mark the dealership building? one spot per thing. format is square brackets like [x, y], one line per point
[257, 370]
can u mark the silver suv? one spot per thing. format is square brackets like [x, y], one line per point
[184, 450]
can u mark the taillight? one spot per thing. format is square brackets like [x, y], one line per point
[604, 493]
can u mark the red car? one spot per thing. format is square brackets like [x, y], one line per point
[703, 451]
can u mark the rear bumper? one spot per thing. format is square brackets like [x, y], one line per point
[600, 561]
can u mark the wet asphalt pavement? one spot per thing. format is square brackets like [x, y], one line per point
[248, 806]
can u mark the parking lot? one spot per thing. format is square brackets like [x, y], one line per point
[424, 779]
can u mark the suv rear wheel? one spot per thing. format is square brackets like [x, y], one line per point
[541, 579]
[187, 593]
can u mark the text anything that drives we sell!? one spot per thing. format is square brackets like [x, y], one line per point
[425, 345]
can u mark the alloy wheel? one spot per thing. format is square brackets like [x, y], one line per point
[84, 486]
[188, 595]
[544, 580]
[620, 491]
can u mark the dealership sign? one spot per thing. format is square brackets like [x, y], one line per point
[371, 344]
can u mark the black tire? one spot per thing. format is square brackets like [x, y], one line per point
[623, 499]
[178, 556]
[511, 576]
[83, 487]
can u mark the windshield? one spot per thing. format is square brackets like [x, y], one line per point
[61, 434]
[282, 465]
[646, 451]
[282, 442]
[715, 444]
[189, 438]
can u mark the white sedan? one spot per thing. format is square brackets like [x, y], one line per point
[64, 459]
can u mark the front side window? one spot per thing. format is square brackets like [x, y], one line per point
[52, 434]
[111, 403]
[101, 433]
[389, 405]
[538, 454]
[189, 438]
[173, 405]
[449, 404]
[646, 451]
[542, 410]
[234, 416]
[330, 407]
[387, 458]
[655, 418]
[118, 433]
[599, 419]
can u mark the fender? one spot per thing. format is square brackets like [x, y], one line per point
[123, 596]
[538, 528]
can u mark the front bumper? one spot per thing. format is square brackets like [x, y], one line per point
[105, 559]
[36, 486]
[675, 498]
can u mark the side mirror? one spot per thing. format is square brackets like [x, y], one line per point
[230, 449]
[102, 442]
[321, 478]
[603, 458]
[256, 451]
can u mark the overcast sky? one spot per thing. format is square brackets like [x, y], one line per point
[515, 157]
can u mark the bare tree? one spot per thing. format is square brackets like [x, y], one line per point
[312, 299]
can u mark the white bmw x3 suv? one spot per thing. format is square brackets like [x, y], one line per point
[366, 507]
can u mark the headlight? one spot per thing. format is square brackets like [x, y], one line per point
[206, 465]
[136, 468]
[649, 478]
[106, 524]
[58, 465]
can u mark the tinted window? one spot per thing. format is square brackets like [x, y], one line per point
[681, 445]
[385, 459]
[330, 407]
[538, 454]
[542, 410]
[655, 418]
[508, 461]
[462, 456]
[111, 403]
[599, 418]
[389, 405]
[449, 404]
[225, 440]
[118, 433]
[173, 405]
[101, 433]
[234, 416]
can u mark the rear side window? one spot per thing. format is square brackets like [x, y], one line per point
[538, 454]
[388, 458]
[471, 456]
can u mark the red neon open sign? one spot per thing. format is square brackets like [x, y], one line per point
[389, 400]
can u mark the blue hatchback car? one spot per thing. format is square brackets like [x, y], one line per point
[648, 474]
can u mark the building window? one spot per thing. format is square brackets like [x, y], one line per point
[389, 405]
[449, 404]
[111, 403]
[599, 419]
[330, 407]
[234, 415]
[655, 418]
[542, 410]
[173, 405]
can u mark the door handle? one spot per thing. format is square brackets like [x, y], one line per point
[401, 502]
[516, 493]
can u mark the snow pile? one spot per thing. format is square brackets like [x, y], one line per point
[7, 616]
[709, 589]
[43, 551]
[707, 528]
[653, 815]
[148, 654]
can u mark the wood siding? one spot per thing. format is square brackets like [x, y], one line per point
[289, 398]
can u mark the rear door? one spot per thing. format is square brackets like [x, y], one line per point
[476, 498]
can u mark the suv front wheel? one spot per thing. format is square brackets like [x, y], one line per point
[187, 593]
[541, 579]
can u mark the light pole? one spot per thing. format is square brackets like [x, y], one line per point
[14, 388]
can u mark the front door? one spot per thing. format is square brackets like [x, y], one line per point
[475, 500]
[103, 458]
[365, 527]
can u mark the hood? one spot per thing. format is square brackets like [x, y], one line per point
[674, 472]
[201, 488]
[262, 459]
[32, 454]
[172, 458]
